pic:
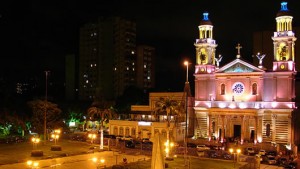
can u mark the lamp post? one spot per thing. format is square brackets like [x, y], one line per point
[55, 135]
[92, 137]
[186, 88]
[45, 113]
[169, 145]
[235, 152]
[35, 141]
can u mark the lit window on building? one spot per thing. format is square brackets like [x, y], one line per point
[132, 52]
[87, 81]
[91, 65]
[127, 68]
[148, 77]
[145, 66]
[115, 68]
[132, 63]
[95, 64]
[95, 33]
[132, 69]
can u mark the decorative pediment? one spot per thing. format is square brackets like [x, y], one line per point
[239, 66]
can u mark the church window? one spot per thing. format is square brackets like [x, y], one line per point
[222, 89]
[268, 130]
[213, 127]
[254, 89]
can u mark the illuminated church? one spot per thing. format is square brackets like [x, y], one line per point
[244, 101]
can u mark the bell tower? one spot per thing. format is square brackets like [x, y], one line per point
[205, 47]
[284, 41]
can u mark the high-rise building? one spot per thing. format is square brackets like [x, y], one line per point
[145, 67]
[107, 58]
[70, 79]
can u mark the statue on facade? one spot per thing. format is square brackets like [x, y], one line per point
[260, 59]
[218, 60]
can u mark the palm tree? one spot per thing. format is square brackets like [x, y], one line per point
[103, 111]
[170, 107]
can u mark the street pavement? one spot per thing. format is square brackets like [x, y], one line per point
[81, 161]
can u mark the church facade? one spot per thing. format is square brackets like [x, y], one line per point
[243, 101]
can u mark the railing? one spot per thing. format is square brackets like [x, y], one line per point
[245, 105]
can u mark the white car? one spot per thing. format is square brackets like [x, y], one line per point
[262, 152]
[202, 148]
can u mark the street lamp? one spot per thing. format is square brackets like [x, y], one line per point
[186, 91]
[35, 141]
[100, 163]
[45, 113]
[32, 164]
[92, 136]
[169, 145]
[235, 152]
[55, 137]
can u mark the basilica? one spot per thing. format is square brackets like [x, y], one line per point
[236, 101]
[243, 101]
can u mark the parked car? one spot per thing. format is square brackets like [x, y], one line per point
[283, 161]
[272, 153]
[260, 157]
[191, 145]
[250, 151]
[129, 144]
[202, 147]
[271, 160]
[291, 165]
[262, 152]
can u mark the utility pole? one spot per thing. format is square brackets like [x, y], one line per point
[46, 108]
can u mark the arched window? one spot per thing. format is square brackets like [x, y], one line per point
[127, 131]
[254, 89]
[121, 131]
[223, 89]
[268, 130]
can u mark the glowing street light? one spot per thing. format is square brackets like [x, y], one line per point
[235, 152]
[35, 141]
[168, 148]
[32, 164]
[55, 137]
[99, 163]
[92, 136]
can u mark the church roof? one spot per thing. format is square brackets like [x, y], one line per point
[238, 66]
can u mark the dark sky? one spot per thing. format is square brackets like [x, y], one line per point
[36, 35]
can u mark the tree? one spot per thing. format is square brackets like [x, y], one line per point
[103, 111]
[38, 108]
[170, 107]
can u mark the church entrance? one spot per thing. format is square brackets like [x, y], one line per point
[252, 135]
[237, 131]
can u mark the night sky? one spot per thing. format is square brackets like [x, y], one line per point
[36, 35]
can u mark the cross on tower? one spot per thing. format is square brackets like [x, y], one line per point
[238, 50]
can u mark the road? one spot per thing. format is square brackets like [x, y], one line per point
[80, 161]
